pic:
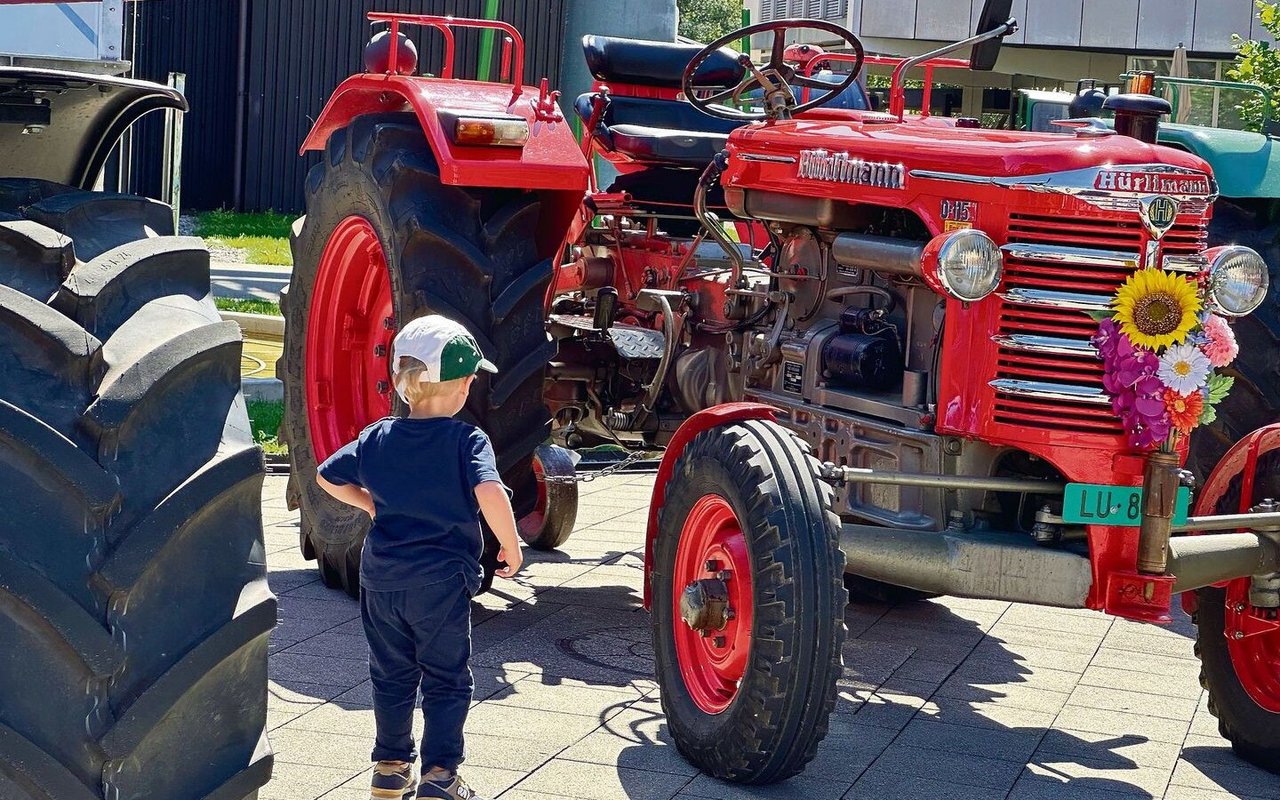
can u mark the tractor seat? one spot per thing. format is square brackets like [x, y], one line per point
[658, 132]
[666, 147]
[648, 63]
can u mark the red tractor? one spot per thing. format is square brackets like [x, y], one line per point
[862, 338]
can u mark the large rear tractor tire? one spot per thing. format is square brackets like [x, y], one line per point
[1242, 675]
[384, 241]
[748, 603]
[1254, 400]
[134, 607]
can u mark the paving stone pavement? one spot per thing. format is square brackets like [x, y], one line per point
[941, 699]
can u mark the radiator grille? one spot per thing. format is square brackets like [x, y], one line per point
[1047, 374]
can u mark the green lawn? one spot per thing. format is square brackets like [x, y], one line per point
[247, 306]
[264, 420]
[263, 237]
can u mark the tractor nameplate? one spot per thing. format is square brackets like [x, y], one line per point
[1098, 504]
[823, 165]
[1116, 180]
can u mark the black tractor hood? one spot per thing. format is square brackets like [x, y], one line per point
[61, 126]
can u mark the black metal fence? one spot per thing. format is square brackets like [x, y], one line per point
[260, 71]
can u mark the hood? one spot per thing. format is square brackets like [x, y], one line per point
[61, 126]
[976, 152]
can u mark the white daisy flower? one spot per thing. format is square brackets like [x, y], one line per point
[1184, 368]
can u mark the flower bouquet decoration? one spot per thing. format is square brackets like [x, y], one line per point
[1160, 349]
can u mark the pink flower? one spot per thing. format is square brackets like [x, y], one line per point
[1221, 347]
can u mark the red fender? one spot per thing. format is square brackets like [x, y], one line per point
[704, 420]
[551, 163]
[550, 160]
[1241, 459]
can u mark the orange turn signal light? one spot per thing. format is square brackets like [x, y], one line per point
[481, 131]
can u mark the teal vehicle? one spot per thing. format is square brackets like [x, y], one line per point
[1246, 165]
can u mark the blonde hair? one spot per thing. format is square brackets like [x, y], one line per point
[409, 379]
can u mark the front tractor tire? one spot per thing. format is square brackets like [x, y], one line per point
[748, 609]
[1242, 676]
[384, 241]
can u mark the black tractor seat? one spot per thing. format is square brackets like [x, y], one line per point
[658, 132]
[639, 61]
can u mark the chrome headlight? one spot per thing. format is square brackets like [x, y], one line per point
[1238, 280]
[965, 264]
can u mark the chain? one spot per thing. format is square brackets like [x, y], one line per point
[588, 477]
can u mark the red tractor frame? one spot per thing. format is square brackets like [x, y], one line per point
[861, 338]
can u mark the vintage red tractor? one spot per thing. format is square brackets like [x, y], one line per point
[863, 338]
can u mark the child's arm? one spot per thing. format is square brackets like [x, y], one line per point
[496, 508]
[348, 493]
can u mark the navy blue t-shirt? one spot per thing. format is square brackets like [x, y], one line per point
[422, 474]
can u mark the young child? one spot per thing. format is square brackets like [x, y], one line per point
[424, 479]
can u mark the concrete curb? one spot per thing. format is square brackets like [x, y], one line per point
[267, 390]
[256, 324]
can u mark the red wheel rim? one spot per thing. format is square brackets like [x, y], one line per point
[712, 542]
[1255, 655]
[350, 327]
[530, 524]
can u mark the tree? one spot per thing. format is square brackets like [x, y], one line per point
[708, 20]
[1258, 62]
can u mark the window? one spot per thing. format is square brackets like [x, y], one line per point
[835, 10]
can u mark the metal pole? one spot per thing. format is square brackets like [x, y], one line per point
[173, 150]
[485, 65]
[744, 44]
[988, 483]
[1258, 521]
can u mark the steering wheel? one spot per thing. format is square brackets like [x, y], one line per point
[775, 78]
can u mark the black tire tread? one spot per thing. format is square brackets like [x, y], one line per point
[782, 710]
[134, 606]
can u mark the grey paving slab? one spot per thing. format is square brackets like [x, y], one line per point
[944, 699]
[563, 778]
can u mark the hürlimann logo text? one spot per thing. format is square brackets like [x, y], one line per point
[840, 167]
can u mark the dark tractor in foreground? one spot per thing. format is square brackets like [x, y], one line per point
[134, 608]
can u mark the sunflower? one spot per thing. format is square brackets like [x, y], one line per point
[1156, 309]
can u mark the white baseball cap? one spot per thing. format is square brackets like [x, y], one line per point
[445, 347]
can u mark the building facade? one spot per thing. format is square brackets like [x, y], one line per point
[1058, 41]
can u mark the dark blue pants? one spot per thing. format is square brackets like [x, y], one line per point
[420, 637]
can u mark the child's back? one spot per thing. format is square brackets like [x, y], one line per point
[422, 475]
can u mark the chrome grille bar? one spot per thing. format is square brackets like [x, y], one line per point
[1061, 254]
[1194, 264]
[1056, 345]
[1051, 391]
[1051, 299]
